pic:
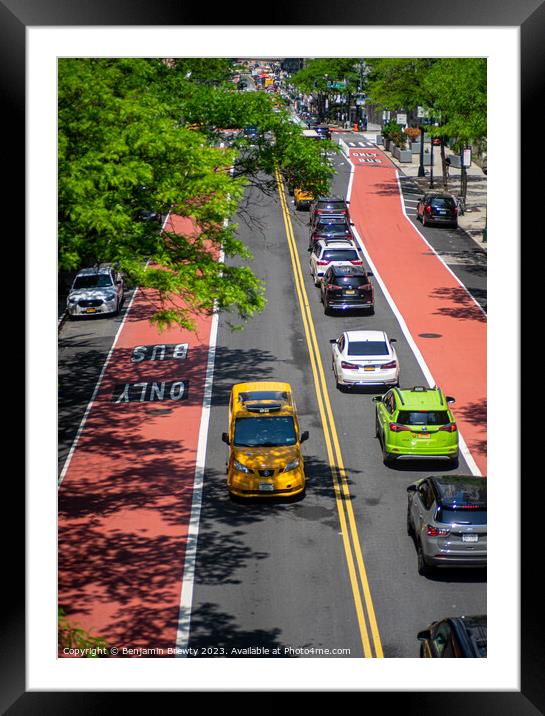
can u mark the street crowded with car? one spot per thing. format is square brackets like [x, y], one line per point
[311, 483]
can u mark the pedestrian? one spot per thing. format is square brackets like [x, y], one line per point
[447, 165]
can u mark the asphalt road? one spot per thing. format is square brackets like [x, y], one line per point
[83, 348]
[275, 575]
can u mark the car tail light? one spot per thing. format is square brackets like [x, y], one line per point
[331, 287]
[428, 209]
[450, 428]
[397, 428]
[357, 263]
[432, 531]
[393, 364]
[322, 263]
[349, 366]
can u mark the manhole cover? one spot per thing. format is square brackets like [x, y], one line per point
[430, 335]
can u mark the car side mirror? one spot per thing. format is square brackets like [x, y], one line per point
[352, 223]
[412, 488]
[450, 399]
[304, 436]
[225, 438]
[370, 273]
[424, 635]
[376, 399]
[393, 340]
[332, 340]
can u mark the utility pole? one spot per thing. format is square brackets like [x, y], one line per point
[421, 170]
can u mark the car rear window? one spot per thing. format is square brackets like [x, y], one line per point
[329, 226]
[423, 417]
[462, 516]
[336, 205]
[349, 280]
[439, 202]
[340, 255]
[368, 348]
[263, 395]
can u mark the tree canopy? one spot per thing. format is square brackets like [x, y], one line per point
[139, 138]
[453, 90]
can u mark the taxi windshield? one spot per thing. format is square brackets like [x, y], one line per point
[271, 431]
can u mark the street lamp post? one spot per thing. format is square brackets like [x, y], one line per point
[431, 164]
[421, 170]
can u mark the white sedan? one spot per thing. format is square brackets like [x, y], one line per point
[361, 358]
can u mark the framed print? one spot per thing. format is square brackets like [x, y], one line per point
[34, 678]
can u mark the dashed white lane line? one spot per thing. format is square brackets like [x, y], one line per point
[404, 328]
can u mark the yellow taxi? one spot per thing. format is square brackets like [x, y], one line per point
[264, 441]
[302, 199]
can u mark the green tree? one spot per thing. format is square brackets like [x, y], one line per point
[127, 146]
[399, 83]
[72, 636]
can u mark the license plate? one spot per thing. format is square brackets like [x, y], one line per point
[368, 367]
[90, 310]
[266, 487]
[470, 538]
[423, 435]
[348, 292]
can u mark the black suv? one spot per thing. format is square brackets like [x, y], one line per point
[347, 287]
[437, 208]
[454, 637]
[330, 226]
[328, 205]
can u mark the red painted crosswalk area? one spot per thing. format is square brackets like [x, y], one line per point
[446, 324]
[125, 501]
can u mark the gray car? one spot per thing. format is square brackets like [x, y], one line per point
[96, 290]
[446, 516]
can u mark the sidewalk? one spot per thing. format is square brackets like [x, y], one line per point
[473, 221]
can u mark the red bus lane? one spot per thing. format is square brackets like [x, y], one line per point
[446, 324]
[125, 501]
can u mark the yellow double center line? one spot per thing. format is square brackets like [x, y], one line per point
[356, 568]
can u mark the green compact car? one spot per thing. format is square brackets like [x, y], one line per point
[416, 424]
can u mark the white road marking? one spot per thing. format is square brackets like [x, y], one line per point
[188, 574]
[93, 397]
[404, 328]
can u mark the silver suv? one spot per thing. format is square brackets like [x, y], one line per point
[332, 252]
[446, 516]
[96, 290]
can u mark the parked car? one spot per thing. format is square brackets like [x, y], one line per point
[364, 358]
[437, 208]
[347, 287]
[96, 290]
[328, 205]
[264, 440]
[416, 424]
[329, 252]
[454, 637]
[331, 226]
[446, 516]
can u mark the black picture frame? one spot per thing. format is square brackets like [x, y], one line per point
[15, 17]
